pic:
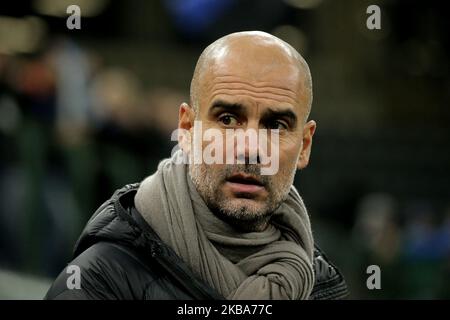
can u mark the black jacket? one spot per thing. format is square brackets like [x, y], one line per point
[120, 257]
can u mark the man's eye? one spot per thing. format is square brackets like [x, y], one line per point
[228, 120]
[280, 125]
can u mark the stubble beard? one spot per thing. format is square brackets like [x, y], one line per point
[247, 215]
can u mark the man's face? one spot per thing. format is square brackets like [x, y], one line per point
[252, 94]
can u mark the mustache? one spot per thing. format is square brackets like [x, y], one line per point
[250, 169]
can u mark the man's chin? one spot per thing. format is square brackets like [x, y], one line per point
[244, 208]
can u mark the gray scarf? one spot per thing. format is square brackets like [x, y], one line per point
[272, 264]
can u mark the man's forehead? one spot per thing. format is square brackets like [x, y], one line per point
[252, 60]
[278, 81]
[253, 73]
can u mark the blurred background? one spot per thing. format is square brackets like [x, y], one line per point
[84, 112]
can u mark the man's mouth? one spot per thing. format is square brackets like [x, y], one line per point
[244, 184]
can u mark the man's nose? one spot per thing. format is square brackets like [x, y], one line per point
[249, 153]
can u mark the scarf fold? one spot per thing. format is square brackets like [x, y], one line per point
[273, 264]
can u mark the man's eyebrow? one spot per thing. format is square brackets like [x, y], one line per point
[220, 105]
[226, 106]
[282, 113]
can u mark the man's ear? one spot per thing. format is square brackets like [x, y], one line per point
[186, 116]
[308, 133]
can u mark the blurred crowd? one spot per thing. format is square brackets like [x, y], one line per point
[410, 242]
[72, 131]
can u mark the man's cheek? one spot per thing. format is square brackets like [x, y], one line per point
[289, 155]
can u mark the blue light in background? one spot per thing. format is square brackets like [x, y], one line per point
[195, 16]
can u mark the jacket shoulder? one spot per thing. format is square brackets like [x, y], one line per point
[103, 272]
[329, 282]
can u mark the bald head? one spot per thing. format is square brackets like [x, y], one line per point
[257, 56]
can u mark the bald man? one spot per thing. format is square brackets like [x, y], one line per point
[211, 223]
